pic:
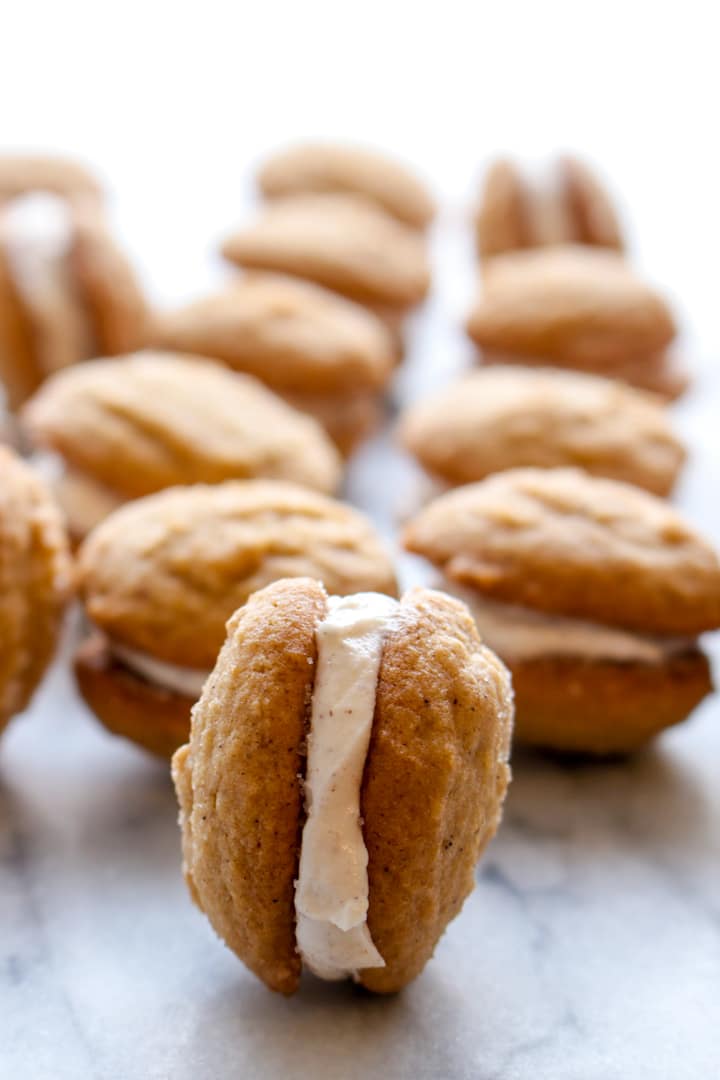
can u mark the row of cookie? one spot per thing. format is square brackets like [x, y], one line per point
[592, 591]
[66, 292]
[113, 430]
[298, 669]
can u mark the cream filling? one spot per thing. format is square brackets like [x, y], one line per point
[331, 893]
[520, 633]
[550, 217]
[180, 680]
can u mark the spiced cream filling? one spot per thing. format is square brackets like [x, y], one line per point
[180, 680]
[521, 633]
[331, 892]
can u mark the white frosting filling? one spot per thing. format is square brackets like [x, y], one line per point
[331, 893]
[180, 680]
[520, 633]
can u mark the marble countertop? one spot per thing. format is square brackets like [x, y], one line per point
[590, 949]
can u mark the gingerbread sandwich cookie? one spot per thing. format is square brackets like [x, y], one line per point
[594, 594]
[346, 767]
[561, 201]
[160, 577]
[576, 307]
[66, 289]
[501, 418]
[324, 354]
[119, 429]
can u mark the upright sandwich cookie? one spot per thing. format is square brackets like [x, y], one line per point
[501, 418]
[563, 202]
[119, 429]
[66, 288]
[592, 592]
[160, 577]
[34, 582]
[346, 767]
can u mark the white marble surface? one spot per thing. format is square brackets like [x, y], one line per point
[590, 949]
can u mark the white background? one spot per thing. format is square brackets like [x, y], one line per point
[172, 102]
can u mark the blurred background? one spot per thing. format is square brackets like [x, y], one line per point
[175, 103]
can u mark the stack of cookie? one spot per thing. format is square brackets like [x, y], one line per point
[334, 263]
[556, 290]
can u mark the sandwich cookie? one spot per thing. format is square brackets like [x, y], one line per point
[329, 168]
[561, 202]
[346, 767]
[342, 242]
[576, 307]
[160, 577]
[326, 355]
[34, 582]
[501, 418]
[66, 291]
[119, 429]
[592, 592]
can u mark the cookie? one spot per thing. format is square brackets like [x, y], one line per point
[502, 418]
[75, 291]
[563, 202]
[134, 425]
[34, 582]
[21, 174]
[574, 307]
[338, 241]
[160, 577]
[321, 352]
[342, 839]
[328, 168]
[578, 583]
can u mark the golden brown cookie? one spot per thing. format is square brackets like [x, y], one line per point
[293, 335]
[137, 424]
[562, 541]
[570, 306]
[24, 173]
[593, 593]
[65, 280]
[328, 168]
[563, 203]
[338, 241]
[160, 577]
[506, 417]
[428, 794]
[34, 582]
